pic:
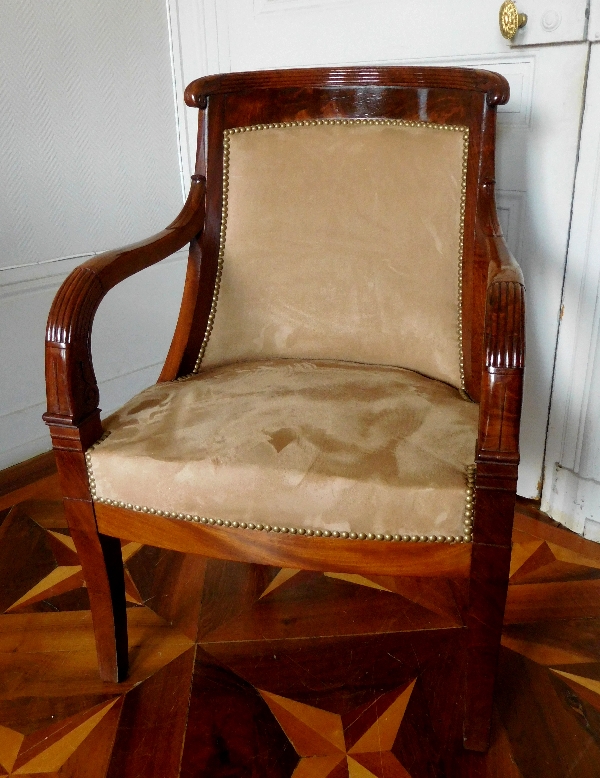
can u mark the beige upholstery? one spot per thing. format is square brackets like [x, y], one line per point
[304, 444]
[343, 242]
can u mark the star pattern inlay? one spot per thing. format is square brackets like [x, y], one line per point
[68, 575]
[52, 749]
[357, 744]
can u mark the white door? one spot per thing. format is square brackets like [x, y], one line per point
[572, 477]
[538, 132]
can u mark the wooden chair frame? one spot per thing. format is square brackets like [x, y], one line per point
[493, 347]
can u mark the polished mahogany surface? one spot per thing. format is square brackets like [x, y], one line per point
[240, 670]
[492, 335]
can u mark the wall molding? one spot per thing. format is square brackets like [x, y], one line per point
[509, 205]
[275, 6]
[89, 162]
[23, 279]
[594, 21]
[517, 67]
[176, 71]
[199, 42]
[146, 303]
[538, 129]
[572, 465]
[575, 502]
[552, 22]
[26, 426]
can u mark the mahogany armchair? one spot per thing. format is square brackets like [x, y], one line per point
[343, 388]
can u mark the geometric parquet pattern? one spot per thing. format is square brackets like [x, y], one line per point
[357, 744]
[256, 672]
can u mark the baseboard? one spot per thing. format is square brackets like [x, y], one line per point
[25, 473]
[574, 501]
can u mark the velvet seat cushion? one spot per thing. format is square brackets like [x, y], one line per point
[307, 445]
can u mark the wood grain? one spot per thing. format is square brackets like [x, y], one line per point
[493, 345]
[335, 645]
[436, 560]
[487, 598]
[494, 86]
[43, 486]
[53, 654]
[72, 390]
[19, 476]
[144, 745]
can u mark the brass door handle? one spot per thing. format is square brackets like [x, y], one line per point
[511, 20]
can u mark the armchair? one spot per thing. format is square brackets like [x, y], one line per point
[343, 388]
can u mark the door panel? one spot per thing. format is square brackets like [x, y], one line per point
[552, 21]
[572, 481]
[538, 130]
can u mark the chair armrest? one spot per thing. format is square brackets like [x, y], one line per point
[71, 387]
[504, 345]
[504, 333]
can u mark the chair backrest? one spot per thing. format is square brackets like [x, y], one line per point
[342, 213]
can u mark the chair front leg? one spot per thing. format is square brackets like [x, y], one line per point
[102, 563]
[488, 586]
[100, 555]
[487, 598]
[495, 489]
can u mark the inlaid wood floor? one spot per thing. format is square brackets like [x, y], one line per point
[254, 672]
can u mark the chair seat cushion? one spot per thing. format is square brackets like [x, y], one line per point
[307, 445]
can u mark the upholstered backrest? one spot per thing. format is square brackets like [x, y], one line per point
[342, 240]
[348, 216]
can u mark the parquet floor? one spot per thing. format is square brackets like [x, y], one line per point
[243, 671]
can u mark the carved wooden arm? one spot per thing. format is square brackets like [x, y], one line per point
[497, 454]
[71, 387]
[504, 343]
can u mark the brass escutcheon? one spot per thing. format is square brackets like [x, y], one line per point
[510, 19]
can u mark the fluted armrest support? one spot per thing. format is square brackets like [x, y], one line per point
[504, 344]
[504, 312]
[72, 390]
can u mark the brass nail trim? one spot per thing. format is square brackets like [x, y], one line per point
[307, 532]
[314, 123]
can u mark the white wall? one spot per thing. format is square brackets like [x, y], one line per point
[89, 161]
